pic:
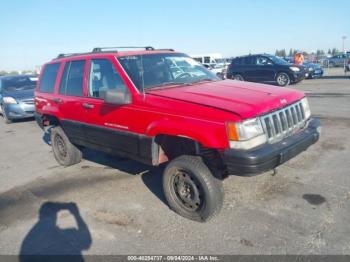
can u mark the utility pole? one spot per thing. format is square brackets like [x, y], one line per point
[343, 38]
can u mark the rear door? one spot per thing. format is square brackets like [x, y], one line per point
[265, 69]
[70, 100]
[250, 69]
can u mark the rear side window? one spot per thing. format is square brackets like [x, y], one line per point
[237, 61]
[48, 78]
[249, 60]
[72, 81]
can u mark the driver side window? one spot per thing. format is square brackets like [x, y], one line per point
[103, 77]
[262, 60]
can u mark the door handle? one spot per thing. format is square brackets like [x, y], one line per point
[88, 106]
[57, 100]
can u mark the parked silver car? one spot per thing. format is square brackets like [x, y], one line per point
[17, 97]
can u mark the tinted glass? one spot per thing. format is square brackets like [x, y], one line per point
[63, 83]
[74, 79]
[249, 60]
[48, 78]
[104, 76]
[236, 61]
[18, 83]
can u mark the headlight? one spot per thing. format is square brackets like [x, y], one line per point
[306, 107]
[9, 100]
[246, 134]
[295, 69]
[311, 69]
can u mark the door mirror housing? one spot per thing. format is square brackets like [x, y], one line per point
[117, 97]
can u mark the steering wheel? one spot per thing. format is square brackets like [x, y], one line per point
[182, 75]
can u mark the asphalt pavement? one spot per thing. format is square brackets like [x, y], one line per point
[109, 205]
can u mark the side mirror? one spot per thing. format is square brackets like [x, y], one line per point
[116, 97]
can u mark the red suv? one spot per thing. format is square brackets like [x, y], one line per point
[158, 106]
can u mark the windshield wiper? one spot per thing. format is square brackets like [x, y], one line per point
[203, 80]
[165, 85]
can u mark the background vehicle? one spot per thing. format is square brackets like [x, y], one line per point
[265, 68]
[338, 60]
[313, 70]
[158, 106]
[17, 96]
[214, 62]
[347, 67]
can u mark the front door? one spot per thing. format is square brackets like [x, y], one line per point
[109, 127]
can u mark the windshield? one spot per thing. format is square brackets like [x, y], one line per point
[19, 83]
[154, 70]
[278, 60]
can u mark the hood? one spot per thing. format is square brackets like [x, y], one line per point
[20, 95]
[241, 98]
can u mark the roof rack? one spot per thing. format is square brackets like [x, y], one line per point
[112, 49]
[69, 55]
[109, 49]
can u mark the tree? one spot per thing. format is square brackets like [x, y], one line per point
[290, 54]
[329, 51]
[13, 73]
[319, 52]
[283, 53]
[335, 51]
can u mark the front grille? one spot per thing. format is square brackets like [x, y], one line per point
[282, 123]
[28, 101]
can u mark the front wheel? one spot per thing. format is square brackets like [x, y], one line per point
[7, 120]
[282, 79]
[191, 189]
[64, 151]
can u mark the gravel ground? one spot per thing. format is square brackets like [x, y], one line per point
[304, 209]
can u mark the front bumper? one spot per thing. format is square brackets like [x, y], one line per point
[297, 77]
[269, 156]
[19, 111]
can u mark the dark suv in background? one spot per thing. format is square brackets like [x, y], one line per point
[265, 68]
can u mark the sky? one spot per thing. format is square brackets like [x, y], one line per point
[33, 32]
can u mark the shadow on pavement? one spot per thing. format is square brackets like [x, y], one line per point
[151, 176]
[48, 242]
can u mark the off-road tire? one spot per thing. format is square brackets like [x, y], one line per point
[209, 188]
[65, 152]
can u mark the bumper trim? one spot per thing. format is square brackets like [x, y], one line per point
[269, 156]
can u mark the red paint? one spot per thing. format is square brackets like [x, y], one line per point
[199, 111]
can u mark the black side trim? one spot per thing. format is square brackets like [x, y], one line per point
[135, 146]
[269, 156]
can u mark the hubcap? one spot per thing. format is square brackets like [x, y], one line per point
[61, 146]
[282, 79]
[186, 190]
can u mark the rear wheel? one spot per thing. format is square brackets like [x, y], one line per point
[282, 79]
[238, 77]
[191, 189]
[64, 151]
